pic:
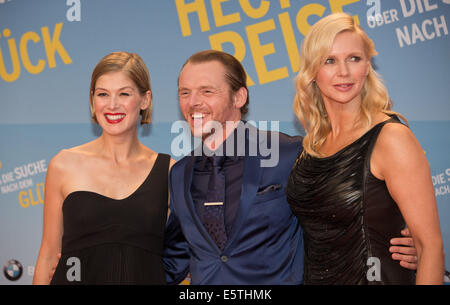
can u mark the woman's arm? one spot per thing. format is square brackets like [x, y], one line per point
[400, 161]
[53, 224]
[176, 257]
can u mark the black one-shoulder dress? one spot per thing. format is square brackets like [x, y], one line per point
[109, 241]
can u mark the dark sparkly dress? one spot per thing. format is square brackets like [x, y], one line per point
[348, 217]
[116, 241]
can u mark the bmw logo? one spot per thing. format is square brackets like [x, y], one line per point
[13, 270]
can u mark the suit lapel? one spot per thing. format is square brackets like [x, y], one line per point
[188, 174]
[250, 183]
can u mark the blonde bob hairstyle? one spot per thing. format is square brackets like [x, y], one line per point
[134, 67]
[308, 103]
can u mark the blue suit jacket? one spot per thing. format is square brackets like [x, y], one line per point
[265, 245]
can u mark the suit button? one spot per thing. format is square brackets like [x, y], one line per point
[224, 258]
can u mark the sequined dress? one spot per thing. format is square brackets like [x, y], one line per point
[348, 217]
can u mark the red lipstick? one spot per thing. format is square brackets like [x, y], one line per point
[114, 118]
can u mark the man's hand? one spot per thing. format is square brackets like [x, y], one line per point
[404, 251]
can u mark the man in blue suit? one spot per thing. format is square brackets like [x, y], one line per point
[245, 233]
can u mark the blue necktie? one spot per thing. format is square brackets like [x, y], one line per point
[213, 209]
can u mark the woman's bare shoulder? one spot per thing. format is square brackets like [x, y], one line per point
[397, 145]
[69, 158]
[396, 135]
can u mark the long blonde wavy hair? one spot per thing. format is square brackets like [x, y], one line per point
[308, 103]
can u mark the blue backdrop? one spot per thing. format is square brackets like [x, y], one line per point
[48, 49]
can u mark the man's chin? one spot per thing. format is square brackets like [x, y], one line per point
[197, 133]
[198, 130]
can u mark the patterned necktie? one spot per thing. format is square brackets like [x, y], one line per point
[213, 209]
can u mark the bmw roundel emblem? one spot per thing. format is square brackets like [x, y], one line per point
[13, 270]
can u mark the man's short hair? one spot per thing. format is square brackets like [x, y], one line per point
[234, 72]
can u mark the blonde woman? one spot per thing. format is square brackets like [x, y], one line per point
[362, 173]
[106, 200]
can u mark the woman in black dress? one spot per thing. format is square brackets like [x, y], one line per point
[106, 201]
[361, 172]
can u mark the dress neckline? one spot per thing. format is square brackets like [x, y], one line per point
[114, 199]
[343, 149]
